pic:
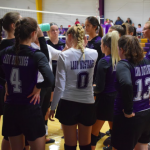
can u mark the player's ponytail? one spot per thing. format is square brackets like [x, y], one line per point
[23, 31]
[111, 41]
[17, 41]
[1, 25]
[78, 34]
[95, 23]
[100, 32]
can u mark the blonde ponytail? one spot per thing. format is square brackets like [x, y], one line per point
[111, 41]
[78, 34]
[114, 48]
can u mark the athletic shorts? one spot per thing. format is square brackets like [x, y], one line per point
[105, 106]
[71, 113]
[2, 94]
[23, 119]
[127, 132]
[45, 97]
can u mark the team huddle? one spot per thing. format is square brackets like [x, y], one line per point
[83, 82]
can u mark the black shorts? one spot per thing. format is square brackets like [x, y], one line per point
[105, 106]
[71, 113]
[23, 119]
[2, 93]
[127, 132]
[45, 96]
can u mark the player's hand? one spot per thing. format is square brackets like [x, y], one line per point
[51, 115]
[39, 32]
[129, 116]
[36, 95]
[6, 92]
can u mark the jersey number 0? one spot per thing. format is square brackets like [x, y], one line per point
[82, 80]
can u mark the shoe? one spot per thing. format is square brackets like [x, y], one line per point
[108, 133]
[46, 128]
[107, 141]
[100, 136]
[50, 141]
[107, 148]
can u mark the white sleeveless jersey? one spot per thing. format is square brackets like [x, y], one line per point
[74, 76]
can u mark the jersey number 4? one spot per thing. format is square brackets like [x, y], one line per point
[15, 81]
[140, 88]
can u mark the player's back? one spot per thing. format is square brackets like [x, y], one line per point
[79, 74]
[21, 78]
[140, 76]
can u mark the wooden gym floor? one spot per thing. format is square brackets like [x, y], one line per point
[55, 132]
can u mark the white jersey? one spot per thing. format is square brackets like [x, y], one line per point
[74, 76]
[53, 55]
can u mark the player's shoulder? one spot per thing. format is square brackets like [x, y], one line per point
[91, 52]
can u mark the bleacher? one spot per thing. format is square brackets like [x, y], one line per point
[145, 43]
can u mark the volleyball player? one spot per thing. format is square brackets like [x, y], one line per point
[58, 44]
[94, 40]
[21, 64]
[118, 28]
[74, 89]
[146, 30]
[105, 88]
[131, 124]
[55, 42]
[45, 94]
[8, 24]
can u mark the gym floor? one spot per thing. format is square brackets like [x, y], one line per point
[55, 132]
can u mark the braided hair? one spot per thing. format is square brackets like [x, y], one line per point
[78, 34]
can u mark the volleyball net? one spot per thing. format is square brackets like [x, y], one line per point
[63, 19]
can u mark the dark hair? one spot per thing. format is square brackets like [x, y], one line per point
[23, 30]
[131, 46]
[139, 25]
[7, 20]
[118, 28]
[128, 28]
[94, 21]
[53, 23]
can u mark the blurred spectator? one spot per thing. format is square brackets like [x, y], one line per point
[106, 22]
[129, 21]
[149, 19]
[77, 21]
[139, 30]
[119, 21]
[133, 25]
[62, 30]
[83, 26]
[111, 22]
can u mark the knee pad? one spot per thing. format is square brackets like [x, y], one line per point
[93, 140]
[86, 147]
[67, 147]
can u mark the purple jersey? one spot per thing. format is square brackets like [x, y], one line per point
[133, 86]
[95, 43]
[22, 78]
[61, 31]
[5, 43]
[105, 76]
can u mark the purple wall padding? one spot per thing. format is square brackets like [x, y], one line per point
[101, 10]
